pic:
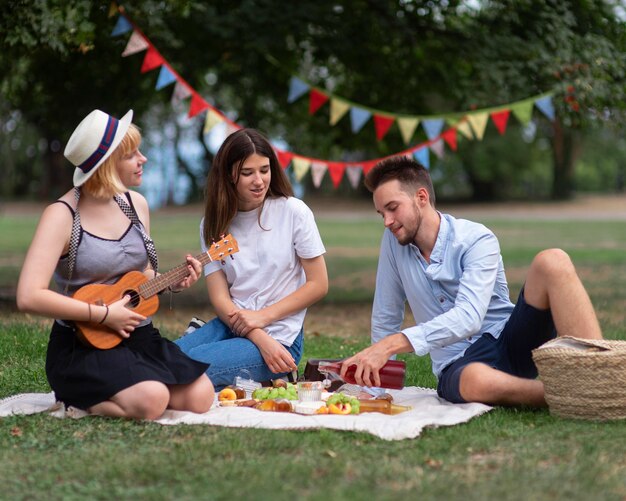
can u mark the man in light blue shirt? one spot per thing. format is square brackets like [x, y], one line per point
[451, 273]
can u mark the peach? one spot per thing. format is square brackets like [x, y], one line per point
[227, 394]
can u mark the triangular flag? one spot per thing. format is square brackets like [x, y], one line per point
[284, 157]
[151, 60]
[338, 108]
[478, 122]
[422, 156]
[523, 111]
[318, 169]
[546, 106]
[449, 137]
[336, 169]
[166, 77]
[297, 88]
[437, 148]
[432, 127]
[354, 175]
[407, 126]
[358, 117]
[316, 100]
[463, 126]
[197, 105]
[181, 91]
[499, 119]
[231, 127]
[136, 43]
[368, 166]
[212, 119]
[300, 167]
[113, 9]
[122, 26]
[382, 124]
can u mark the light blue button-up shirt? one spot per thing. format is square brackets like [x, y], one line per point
[461, 294]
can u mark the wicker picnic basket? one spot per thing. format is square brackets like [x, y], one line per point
[584, 378]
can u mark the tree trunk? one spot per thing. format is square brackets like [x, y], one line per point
[566, 148]
[57, 172]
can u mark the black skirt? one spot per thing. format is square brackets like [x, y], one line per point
[82, 376]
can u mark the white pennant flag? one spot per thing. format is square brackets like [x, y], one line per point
[136, 43]
[354, 175]
[181, 91]
[437, 148]
[318, 169]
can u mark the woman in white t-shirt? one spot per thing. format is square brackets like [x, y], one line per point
[261, 295]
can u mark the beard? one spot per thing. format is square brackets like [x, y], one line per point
[409, 229]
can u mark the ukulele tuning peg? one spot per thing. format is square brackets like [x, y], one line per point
[232, 257]
[223, 262]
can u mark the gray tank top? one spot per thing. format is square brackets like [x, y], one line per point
[100, 260]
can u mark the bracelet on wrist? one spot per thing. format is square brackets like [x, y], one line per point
[106, 314]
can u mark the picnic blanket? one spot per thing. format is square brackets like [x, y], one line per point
[428, 410]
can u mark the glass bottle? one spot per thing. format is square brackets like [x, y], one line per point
[391, 374]
[382, 406]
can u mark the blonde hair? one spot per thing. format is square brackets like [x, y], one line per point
[105, 183]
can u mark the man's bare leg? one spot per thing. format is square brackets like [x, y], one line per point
[481, 383]
[552, 283]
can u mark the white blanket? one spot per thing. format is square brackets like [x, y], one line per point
[427, 410]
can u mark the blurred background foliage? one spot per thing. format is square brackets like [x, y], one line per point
[58, 61]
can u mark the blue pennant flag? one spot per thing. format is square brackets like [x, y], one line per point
[422, 156]
[122, 26]
[546, 106]
[432, 127]
[296, 89]
[358, 117]
[166, 77]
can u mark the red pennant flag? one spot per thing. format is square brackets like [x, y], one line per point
[500, 118]
[197, 104]
[449, 137]
[151, 60]
[368, 166]
[316, 100]
[284, 157]
[336, 170]
[382, 124]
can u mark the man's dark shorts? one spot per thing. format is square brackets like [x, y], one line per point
[526, 329]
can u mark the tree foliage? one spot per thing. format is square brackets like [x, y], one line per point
[58, 61]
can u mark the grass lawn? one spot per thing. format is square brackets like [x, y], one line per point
[506, 453]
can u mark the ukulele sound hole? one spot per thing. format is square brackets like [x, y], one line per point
[134, 298]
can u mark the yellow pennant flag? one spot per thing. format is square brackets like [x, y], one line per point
[464, 128]
[113, 9]
[478, 122]
[407, 127]
[338, 108]
[212, 119]
[300, 167]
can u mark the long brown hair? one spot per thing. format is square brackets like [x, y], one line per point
[221, 201]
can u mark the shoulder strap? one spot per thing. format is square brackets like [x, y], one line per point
[147, 241]
[74, 240]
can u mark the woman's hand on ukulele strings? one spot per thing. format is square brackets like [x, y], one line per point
[195, 270]
[121, 319]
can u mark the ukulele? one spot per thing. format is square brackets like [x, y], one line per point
[142, 291]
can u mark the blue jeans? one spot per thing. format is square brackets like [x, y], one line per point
[214, 343]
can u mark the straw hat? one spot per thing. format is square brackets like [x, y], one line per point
[91, 143]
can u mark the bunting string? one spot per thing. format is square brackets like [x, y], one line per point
[470, 124]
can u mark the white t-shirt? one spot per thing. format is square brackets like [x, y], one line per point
[267, 267]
